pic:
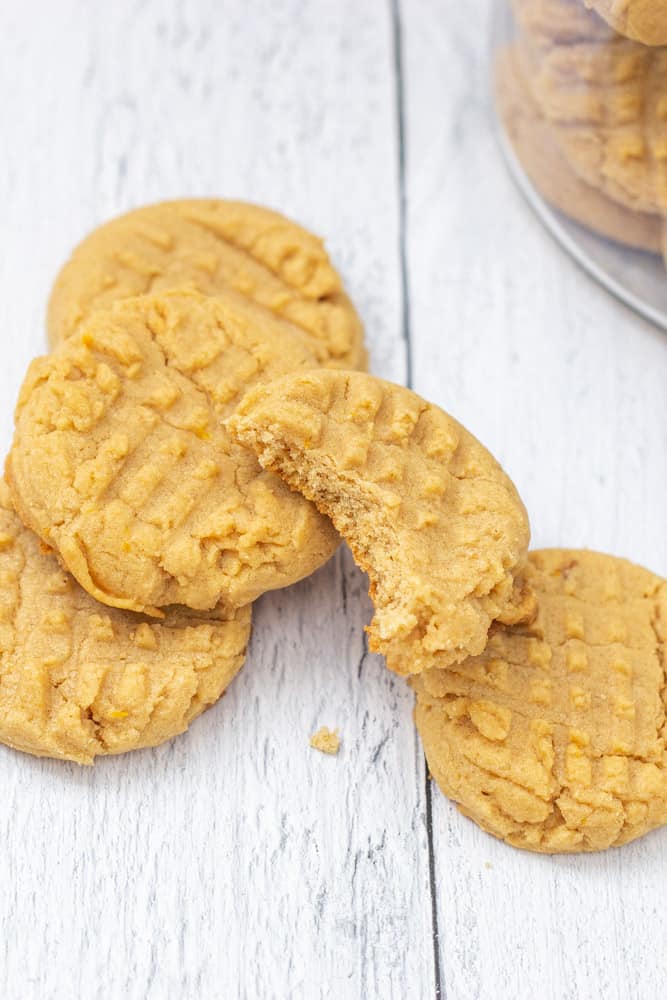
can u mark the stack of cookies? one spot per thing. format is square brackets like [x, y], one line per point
[582, 92]
[204, 431]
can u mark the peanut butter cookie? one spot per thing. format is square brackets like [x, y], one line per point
[605, 102]
[78, 680]
[643, 20]
[551, 174]
[554, 737]
[121, 463]
[428, 513]
[206, 245]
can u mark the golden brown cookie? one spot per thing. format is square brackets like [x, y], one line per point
[121, 463]
[643, 20]
[207, 245]
[606, 102]
[78, 680]
[554, 737]
[551, 174]
[428, 513]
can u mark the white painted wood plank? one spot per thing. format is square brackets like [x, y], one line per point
[568, 388]
[236, 861]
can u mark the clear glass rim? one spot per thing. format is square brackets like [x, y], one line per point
[566, 232]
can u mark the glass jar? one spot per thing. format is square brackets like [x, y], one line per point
[583, 115]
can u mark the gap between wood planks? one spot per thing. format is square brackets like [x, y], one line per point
[406, 329]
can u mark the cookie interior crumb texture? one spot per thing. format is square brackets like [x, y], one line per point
[79, 680]
[554, 737]
[326, 740]
[121, 463]
[427, 511]
[211, 246]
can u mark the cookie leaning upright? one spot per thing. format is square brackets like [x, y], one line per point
[120, 461]
[80, 680]
[554, 738]
[210, 245]
[427, 511]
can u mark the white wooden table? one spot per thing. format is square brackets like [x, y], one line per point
[235, 861]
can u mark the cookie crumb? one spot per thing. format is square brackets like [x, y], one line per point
[325, 740]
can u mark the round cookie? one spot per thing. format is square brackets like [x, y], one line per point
[553, 739]
[605, 101]
[551, 174]
[121, 463]
[643, 20]
[78, 680]
[208, 245]
[427, 511]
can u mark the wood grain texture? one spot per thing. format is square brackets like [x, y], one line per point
[569, 389]
[235, 861]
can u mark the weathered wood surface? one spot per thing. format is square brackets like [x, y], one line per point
[236, 861]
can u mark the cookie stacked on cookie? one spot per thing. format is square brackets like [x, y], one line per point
[80, 679]
[583, 106]
[209, 246]
[199, 435]
[127, 611]
[539, 678]
[426, 510]
[643, 20]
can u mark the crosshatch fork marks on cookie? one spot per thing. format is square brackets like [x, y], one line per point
[121, 463]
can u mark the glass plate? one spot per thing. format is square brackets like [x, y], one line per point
[637, 278]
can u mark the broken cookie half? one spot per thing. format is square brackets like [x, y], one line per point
[426, 510]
